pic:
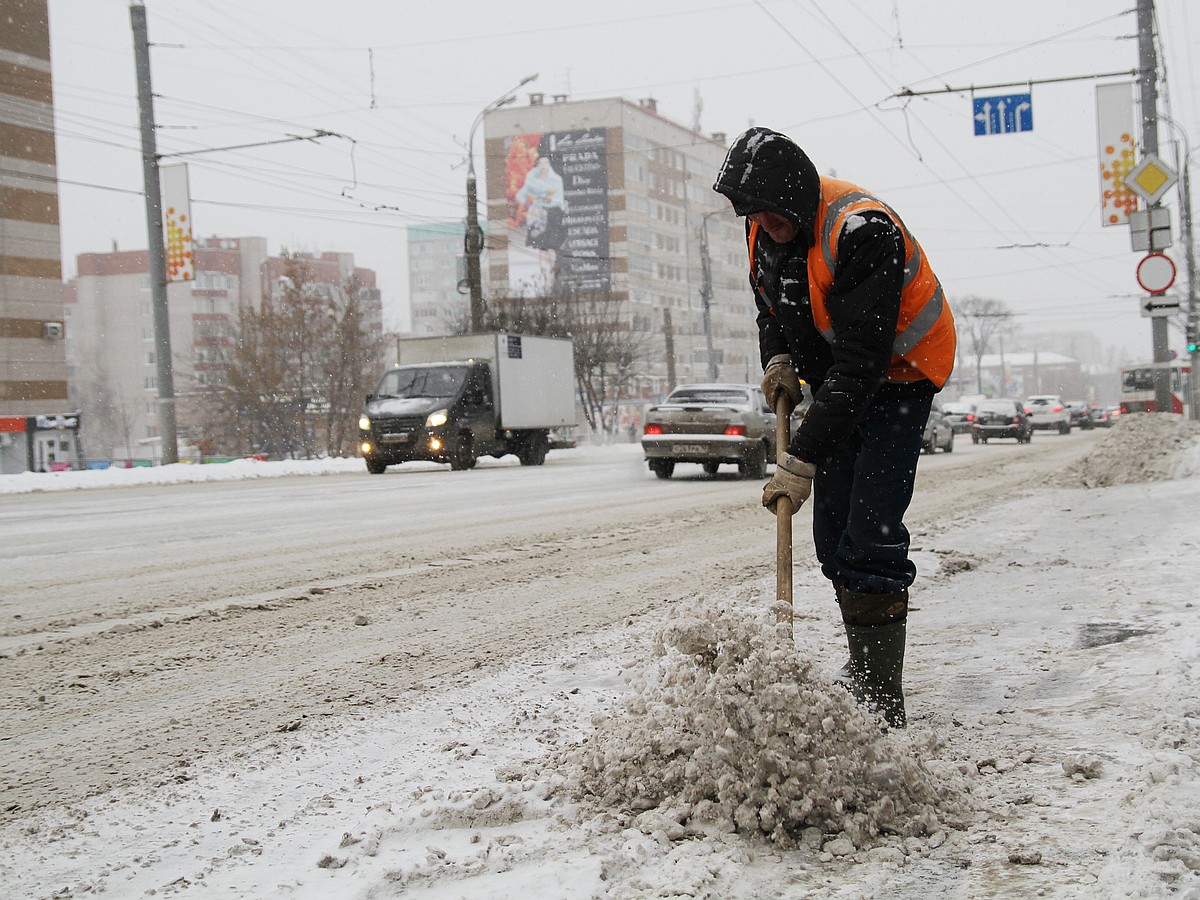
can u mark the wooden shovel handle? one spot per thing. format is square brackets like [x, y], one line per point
[783, 506]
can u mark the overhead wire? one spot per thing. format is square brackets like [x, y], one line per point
[299, 76]
[1033, 244]
[449, 154]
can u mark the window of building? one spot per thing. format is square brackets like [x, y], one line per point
[639, 264]
[212, 281]
[637, 203]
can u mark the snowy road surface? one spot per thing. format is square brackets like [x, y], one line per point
[312, 686]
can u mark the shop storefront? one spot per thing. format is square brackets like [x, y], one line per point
[45, 443]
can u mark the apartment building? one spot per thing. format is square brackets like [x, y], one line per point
[110, 332]
[33, 376]
[611, 197]
[435, 268]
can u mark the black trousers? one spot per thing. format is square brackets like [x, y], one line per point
[860, 495]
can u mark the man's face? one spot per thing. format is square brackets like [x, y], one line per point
[780, 228]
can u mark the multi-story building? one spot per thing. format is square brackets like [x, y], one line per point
[610, 197]
[435, 268]
[110, 331]
[33, 370]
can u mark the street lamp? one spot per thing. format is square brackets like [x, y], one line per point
[474, 238]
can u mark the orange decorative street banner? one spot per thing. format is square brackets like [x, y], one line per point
[1118, 151]
[177, 223]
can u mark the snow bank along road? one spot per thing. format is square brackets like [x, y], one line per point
[143, 627]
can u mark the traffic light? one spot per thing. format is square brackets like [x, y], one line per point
[1193, 339]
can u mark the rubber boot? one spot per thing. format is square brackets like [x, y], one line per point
[875, 634]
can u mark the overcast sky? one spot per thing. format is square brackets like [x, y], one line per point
[1012, 217]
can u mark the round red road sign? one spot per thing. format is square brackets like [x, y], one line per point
[1156, 272]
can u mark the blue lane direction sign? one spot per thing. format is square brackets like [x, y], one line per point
[1007, 114]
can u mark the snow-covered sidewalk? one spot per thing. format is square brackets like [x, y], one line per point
[1053, 748]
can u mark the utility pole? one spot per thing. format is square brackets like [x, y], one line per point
[1192, 329]
[669, 339]
[154, 234]
[1148, 91]
[473, 245]
[1193, 314]
[706, 295]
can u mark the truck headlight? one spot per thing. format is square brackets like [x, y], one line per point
[440, 417]
[364, 423]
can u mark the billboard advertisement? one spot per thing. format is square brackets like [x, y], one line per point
[556, 192]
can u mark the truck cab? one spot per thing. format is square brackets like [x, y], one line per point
[442, 412]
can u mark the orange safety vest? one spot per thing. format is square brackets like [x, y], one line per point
[925, 336]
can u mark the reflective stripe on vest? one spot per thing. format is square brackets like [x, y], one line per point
[751, 241]
[912, 256]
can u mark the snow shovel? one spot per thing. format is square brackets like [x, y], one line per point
[783, 514]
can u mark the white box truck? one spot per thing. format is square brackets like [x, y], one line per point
[456, 398]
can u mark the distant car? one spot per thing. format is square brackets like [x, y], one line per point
[959, 415]
[1048, 412]
[1102, 417]
[1081, 415]
[711, 424]
[938, 432]
[1001, 419]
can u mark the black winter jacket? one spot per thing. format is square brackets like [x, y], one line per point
[765, 170]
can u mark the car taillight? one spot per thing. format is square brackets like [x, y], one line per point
[736, 430]
[1057, 409]
[652, 428]
[1016, 420]
[970, 417]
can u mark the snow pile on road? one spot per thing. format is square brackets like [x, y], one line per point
[1141, 447]
[732, 730]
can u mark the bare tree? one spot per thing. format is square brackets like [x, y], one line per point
[296, 371]
[550, 316]
[979, 320]
[252, 411]
[608, 354]
[305, 312]
[106, 415]
[347, 369]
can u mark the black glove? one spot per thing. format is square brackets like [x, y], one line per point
[780, 377]
[793, 479]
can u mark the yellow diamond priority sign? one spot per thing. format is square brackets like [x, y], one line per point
[1151, 178]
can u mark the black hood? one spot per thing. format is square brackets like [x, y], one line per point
[766, 170]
